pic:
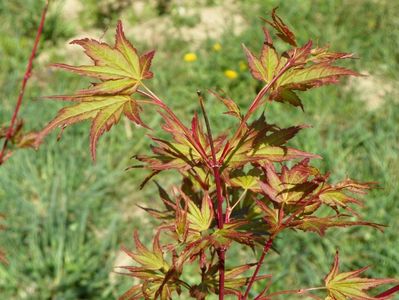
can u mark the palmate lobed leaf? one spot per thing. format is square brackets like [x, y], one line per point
[308, 68]
[291, 185]
[149, 260]
[265, 143]
[120, 70]
[348, 285]
[105, 111]
[319, 225]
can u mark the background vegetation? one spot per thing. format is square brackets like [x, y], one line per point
[67, 217]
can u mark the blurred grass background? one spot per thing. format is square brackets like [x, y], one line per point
[66, 217]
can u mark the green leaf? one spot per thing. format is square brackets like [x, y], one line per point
[200, 219]
[283, 31]
[104, 111]
[119, 70]
[348, 285]
[246, 182]
[264, 67]
[150, 260]
[320, 225]
[313, 76]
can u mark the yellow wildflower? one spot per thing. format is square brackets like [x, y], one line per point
[231, 74]
[217, 47]
[243, 65]
[190, 57]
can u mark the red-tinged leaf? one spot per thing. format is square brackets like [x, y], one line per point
[320, 225]
[286, 96]
[298, 56]
[320, 55]
[272, 216]
[337, 199]
[200, 218]
[259, 146]
[105, 56]
[336, 195]
[283, 31]
[313, 76]
[105, 112]
[264, 67]
[255, 66]
[124, 86]
[246, 182]
[145, 63]
[127, 49]
[279, 154]
[232, 107]
[99, 72]
[150, 260]
[278, 137]
[269, 57]
[134, 293]
[349, 285]
[120, 70]
[113, 63]
[290, 186]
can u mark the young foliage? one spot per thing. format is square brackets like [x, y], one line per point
[235, 188]
[120, 70]
[349, 285]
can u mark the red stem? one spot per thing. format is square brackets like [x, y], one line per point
[388, 292]
[27, 75]
[219, 195]
[266, 249]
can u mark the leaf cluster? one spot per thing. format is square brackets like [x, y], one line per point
[244, 186]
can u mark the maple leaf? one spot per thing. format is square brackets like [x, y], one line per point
[200, 219]
[159, 278]
[232, 107]
[321, 224]
[119, 70]
[306, 67]
[264, 142]
[336, 195]
[283, 31]
[349, 285]
[151, 260]
[291, 185]
[104, 110]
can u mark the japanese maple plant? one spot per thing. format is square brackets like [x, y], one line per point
[245, 188]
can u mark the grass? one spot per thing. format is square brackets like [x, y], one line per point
[67, 218]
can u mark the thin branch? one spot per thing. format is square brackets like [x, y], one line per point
[389, 292]
[27, 75]
[219, 195]
[266, 249]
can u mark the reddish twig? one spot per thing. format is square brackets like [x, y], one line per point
[27, 75]
[219, 196]
[266, 249]
[389, 292]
